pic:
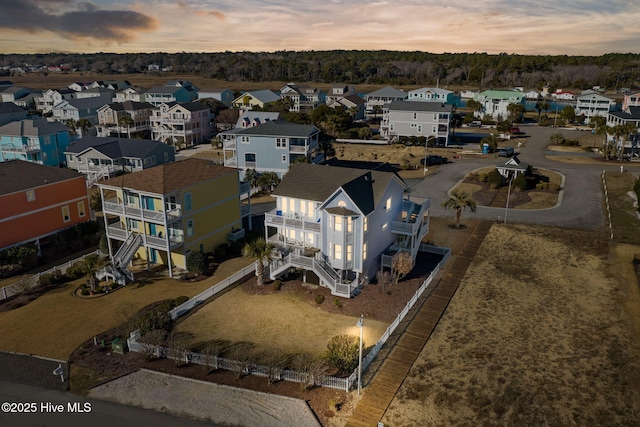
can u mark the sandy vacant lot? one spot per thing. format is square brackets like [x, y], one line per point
[542, 331]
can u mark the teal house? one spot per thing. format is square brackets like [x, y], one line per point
[34, 140]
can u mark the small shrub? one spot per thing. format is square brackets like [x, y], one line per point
[181, 300]
[75, 271]
[319, 299]
[542, 185]
[519, 183]
[220, 253]
[100, 290]
[337, 302]
[46, 279]
[494, 179]
[277, 284]
[342, 352]
[84, 292]
[196, 263]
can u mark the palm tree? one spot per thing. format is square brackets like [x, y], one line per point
[459, 202]
[126, 120]
[474, 106]
[326, 148]
[83, 125]
[72, 125]
[251, 176]
[259, 249]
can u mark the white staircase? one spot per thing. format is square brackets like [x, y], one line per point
[327, 274]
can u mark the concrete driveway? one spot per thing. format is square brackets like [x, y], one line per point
[580, 204]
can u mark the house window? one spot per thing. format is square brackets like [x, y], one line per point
[364, 251]
[337, 223]
[81, 212]
[365, 225]
[283, 204]
[245, 140]
[337, 251]
[281, 142]
[388, 205]
[190, 228]
[166, 157]
[65, 214]
[349, 225]
[31, 195]
[292, 206]
[342, 204]
[415, 116]
[284, 158]
[132, 224]
[349, 252]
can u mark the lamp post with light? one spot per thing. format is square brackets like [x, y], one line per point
[360, 324]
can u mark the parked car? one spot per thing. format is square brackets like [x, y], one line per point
[475, 124]
[506, 152]
[433, 160]
[515, 131]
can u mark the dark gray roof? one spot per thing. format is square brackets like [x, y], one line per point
[280, 128]
[116, 148]
[435, 107]
[388, 92]
[631, 113]
[32, 127]
[89, 103]
[19, 175]
[193, 106]
[9, 108]
[317, 182]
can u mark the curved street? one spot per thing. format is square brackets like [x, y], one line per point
[581, 198]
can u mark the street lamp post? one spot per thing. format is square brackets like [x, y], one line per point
[360, 324]
[506, 207]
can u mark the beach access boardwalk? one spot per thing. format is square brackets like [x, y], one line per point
[395, 366]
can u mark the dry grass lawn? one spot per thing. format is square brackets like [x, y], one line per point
[55, 324]
[234, 317]
[544, 330]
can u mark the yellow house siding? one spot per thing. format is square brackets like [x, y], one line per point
[215, 210]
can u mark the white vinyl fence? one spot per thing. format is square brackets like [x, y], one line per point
[28, 283]
[208, 293]
[274, 373]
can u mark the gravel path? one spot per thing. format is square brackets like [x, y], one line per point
[217, 403]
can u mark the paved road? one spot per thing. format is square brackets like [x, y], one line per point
[97, 413]
[581, 200]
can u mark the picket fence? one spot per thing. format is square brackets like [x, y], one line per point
[30, 282]
[274, 373]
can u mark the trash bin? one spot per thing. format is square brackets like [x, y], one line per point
[119, 345]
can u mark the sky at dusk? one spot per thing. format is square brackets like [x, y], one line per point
[572, 27]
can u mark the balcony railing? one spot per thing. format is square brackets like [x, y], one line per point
[298, 148]
[20, 148]
[276, 219]
[229, 145]
[231, 161]
[250, 165]
[116, 231]
[112, 206]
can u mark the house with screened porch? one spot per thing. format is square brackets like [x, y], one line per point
[341, 225]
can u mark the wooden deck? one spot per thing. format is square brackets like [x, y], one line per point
[390, 368]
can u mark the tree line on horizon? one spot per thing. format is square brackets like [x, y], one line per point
[380, 67]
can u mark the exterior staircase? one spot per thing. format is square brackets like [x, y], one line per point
[118, 271]
[327, 274]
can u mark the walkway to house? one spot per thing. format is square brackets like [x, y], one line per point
[402, 353]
